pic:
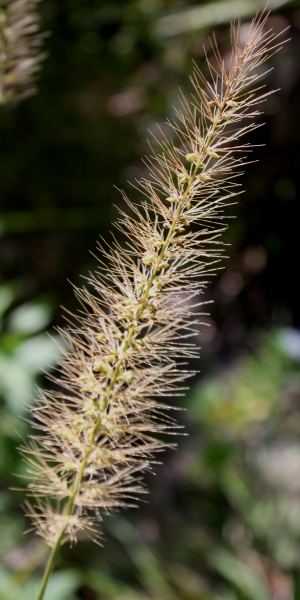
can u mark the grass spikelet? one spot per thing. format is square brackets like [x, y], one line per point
[100, 426]
[20, 42]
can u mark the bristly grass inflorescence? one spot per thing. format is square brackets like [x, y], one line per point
[20, 43]
[100, 426]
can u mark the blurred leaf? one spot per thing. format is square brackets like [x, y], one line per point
[18, 371]
[7, 296]
[239, 574]
[151, 572]
[16, 384]
[105, 585]
[38, 352]
[288, 340]
[61, 586]
[30, 318]
[197, 18]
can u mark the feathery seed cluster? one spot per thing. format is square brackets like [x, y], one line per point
[20, 43]
[100, 426]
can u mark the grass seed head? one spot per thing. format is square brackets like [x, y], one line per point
[101, 426]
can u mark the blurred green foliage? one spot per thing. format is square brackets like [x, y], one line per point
[25, 350]
[222, 522]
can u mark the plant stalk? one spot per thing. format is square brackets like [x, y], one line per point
[50, 565]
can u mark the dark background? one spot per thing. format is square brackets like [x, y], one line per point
[223, 518]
